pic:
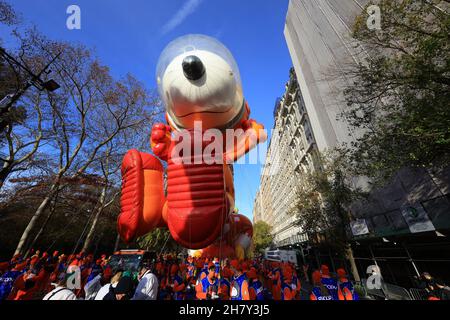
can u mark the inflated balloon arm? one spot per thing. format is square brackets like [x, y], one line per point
[160, 140]
[251, 134]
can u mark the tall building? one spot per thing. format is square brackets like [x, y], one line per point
[400, 220]
[416, 203]
[257, 212]
[292, 151]
[319, 42]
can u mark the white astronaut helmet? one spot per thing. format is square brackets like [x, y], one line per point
[198, 80]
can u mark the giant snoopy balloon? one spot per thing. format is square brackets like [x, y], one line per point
[199, 83]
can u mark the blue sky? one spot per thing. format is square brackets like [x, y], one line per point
[129, 35]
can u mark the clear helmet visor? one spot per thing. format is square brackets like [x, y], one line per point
[198, 80]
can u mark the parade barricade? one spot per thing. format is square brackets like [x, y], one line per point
[387, 292]
[394, 292]
[418, 294]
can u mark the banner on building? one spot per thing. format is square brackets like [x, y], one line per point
[359, 227]
[417, 218]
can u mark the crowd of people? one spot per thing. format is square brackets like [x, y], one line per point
[168, 277]
[434, 289]
[45, 276]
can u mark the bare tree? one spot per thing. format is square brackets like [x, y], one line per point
[108, 195]
[8, 15]
[25, 117]
[22, 138]
[89, 113]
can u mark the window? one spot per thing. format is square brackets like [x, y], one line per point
[308, 132]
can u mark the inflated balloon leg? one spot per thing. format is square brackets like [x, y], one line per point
[142, 196]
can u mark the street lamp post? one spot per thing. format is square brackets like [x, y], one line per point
[34, 80]
[373, 256]
[411, 260]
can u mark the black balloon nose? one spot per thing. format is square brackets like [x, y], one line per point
[193, 68]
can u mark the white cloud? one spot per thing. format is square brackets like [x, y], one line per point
[187, 9]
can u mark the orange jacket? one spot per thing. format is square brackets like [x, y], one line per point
[20, 292]
[288, 293]
[245, 292]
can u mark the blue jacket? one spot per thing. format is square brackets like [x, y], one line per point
[332, 286]
[178, 280]
[210, 287]
[259, 290]
[236, 287]
[7, 282]
[318, 294]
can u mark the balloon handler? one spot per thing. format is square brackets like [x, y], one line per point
[199, 84]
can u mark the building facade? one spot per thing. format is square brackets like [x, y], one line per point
[317, 34]
[257, 208]
[318, 37]
[292, 151]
